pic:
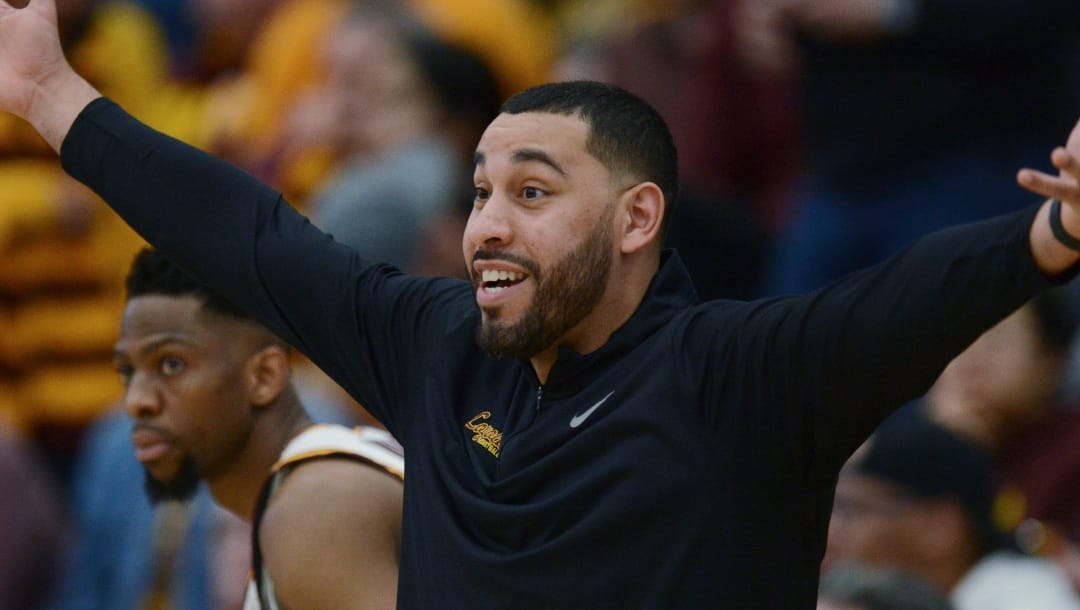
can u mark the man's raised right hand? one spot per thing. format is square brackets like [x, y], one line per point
[36, 81]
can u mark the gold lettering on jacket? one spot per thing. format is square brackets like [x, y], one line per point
[486, 435]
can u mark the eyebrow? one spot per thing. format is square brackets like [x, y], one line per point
[157, 344]
[526, 155]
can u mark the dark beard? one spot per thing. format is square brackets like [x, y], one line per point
[182, 487]
[565, 294]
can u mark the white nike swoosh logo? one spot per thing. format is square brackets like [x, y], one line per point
[580, 418]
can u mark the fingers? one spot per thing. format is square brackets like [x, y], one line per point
[1066, 162]
[1063, 188]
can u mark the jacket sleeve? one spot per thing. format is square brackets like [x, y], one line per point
[363, 323]
[818, 372]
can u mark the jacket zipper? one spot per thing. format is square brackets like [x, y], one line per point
[539, 396]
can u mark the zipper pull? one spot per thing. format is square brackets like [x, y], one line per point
[539, 395]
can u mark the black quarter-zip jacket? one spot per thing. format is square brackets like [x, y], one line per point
[688, 463]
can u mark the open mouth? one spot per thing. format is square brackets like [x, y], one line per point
[495, 281]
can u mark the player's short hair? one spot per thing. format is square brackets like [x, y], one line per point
[626, 134]
[152, 273]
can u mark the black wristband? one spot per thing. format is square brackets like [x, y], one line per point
[1059, 230]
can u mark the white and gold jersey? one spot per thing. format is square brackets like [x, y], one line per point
[371, 446]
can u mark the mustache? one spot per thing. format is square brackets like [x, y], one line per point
[138, 426]
[495, 255]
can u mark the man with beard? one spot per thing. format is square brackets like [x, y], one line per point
[208, 390]
[609, 442]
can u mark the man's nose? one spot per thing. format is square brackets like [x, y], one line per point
[490, 223]
[141, 397]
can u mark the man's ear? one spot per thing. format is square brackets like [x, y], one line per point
[642, 213]
[268, 374]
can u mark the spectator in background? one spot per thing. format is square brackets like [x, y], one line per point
[895, 97]
[855, 587]
[265, 57]
[514, 37]
[1008, 379]
[735, 130]
[257, 58]
[917, 497]
[411, 109]
[178, 22]
[468, 99]
[32, 525]
[1003, 393]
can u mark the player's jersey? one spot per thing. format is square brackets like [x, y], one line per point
[368, 445]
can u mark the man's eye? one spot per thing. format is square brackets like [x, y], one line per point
[125, 371]
[171, 366]
[531, 192]
[480, 193]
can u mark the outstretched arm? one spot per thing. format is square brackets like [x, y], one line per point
[1052, 256]
[36, 81]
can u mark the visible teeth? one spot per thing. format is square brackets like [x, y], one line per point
[492, 275]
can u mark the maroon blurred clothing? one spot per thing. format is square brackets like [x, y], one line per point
[32, 518]
[736, 132]
[1044, 465]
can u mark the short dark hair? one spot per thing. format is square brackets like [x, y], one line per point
[626, 134]
[464, 84]
[152, 273]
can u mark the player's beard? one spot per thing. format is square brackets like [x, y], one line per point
[182, 487]
[565, 293]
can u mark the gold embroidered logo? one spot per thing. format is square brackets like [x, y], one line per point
[486, 435]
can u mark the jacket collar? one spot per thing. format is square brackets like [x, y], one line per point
[670, 292]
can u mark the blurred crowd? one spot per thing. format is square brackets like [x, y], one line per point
[815, 137]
